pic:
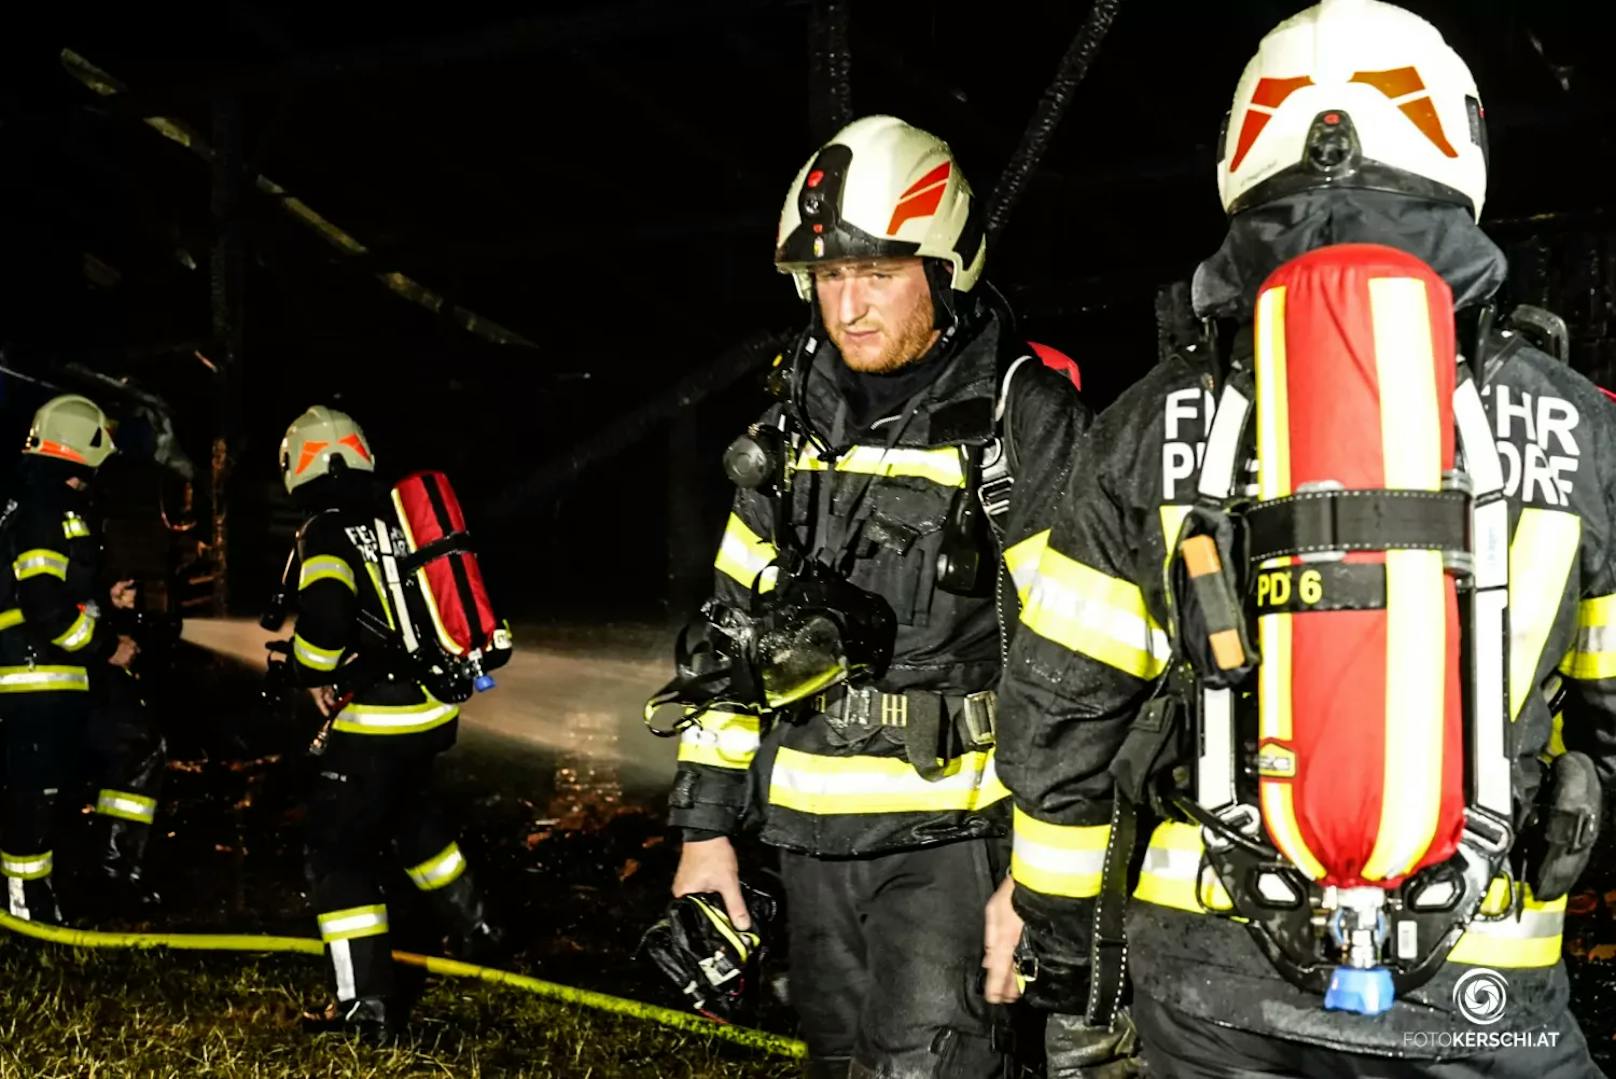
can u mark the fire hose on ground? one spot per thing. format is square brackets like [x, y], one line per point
[565, 994]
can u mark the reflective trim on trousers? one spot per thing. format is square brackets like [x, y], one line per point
[43, 679]
[26, 866]
[353, 922]
[126, 805]
[439, 870]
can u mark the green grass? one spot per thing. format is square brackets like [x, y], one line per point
[91, 1014]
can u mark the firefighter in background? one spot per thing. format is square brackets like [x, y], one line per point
[130, 753]
[1355, 122]
[883, 799]
[53, 633]
[372, 800]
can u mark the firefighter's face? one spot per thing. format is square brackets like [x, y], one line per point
[878, 312]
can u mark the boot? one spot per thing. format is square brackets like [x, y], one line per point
[123, 889]
[378, 1021]
[473, 936]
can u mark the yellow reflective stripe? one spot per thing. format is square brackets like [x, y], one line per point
[75, 527]
[1173, 875]
[1532, 941]
[78, 634]
[1172, 522]
[743, 554]
[312, 655]
[127, 805]
[1274, 630]
[353, 922]
[1273, 404]
[944, 466]
[1593, 655]
[828, 786]
[1541, 555]
[10, 618]
[43, 679]
[382, 719]
[326, 567]
[1416, 588]
[26, 866]
[1022, 562]
[721, 738]
[1101, 616]
[439, 870]
[38, 562]
[1058, 859]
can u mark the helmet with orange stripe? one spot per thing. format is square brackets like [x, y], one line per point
[322, 442]
[1354, 94]
[881, 189]
[73, 429]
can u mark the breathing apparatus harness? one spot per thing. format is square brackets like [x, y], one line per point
[806, 628]
[1182, 760]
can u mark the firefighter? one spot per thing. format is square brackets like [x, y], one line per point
[883, 799]
[53, 635]
[1354, 123]
[371, 807]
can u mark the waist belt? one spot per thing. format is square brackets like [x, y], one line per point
[973, 715]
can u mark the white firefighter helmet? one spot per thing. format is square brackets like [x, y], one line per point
[318, 437]
[71, 428]
[1354, 93]
[881, 189]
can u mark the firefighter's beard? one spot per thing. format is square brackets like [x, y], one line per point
[872, 347]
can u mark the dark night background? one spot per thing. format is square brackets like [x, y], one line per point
[593, 188]
[603, 181]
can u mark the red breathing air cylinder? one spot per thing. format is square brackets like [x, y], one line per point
[1362, 739]
[462, 618]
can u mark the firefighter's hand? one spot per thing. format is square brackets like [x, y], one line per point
[709, 865]
[325, 699]
[123, 595]
[125, 653]
[1001, 933]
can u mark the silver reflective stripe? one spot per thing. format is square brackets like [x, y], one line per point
[78, 634]
[353, 717]
[43, 562]
[437, 871]
[321, 659]
[26, 866]
[1057, 860]
[133, 807]
[1218, 465]
[1171, 863]
[1214, 775]
[44, 678]
[1482, 462]
[1533, 925]
[355, 922]
[342, 966]
[1494, 788]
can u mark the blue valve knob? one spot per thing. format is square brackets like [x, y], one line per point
[1365, 991]
[483, 683]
